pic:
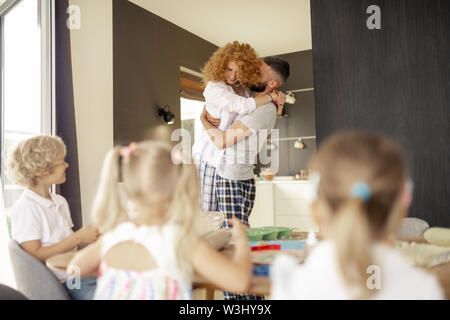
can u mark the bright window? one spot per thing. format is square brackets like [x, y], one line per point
[25, 88]
[190, 117]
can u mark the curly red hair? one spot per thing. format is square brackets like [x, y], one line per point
[245, 57]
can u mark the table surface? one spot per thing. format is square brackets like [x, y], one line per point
[259, 285]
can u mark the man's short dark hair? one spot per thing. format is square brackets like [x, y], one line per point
[278, 65]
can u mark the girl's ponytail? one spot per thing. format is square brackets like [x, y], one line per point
[184, 209]
[361, 178]
[107, 209]
[351, 234]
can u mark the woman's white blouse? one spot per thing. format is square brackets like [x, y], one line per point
[221, 102]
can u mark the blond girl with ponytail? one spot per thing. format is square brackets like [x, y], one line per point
[362, 194]
[152, 251]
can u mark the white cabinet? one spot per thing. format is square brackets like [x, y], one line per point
[283, 202]
[260, 215]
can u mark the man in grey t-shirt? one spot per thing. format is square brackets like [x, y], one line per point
[242, 142]
[238, 160]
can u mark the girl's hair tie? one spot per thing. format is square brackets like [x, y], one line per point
[361, 190]
[125, 152]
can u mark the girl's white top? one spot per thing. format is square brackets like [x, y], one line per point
[165, 282]
[221, 102]
[391, 277]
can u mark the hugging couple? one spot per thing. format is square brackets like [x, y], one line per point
[242, 103]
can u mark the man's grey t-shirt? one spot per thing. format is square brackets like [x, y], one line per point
[238, 160]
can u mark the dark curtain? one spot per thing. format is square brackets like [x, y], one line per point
[65, 112]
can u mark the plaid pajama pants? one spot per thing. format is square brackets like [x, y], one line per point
[236, 199]
[207, 175]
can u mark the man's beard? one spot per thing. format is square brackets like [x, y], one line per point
[260, 87]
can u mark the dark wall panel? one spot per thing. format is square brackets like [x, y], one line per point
[148, 52]
[395, 80]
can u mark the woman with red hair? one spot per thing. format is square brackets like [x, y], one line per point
[228, 75]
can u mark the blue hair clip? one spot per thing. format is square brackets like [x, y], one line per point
[361, 190]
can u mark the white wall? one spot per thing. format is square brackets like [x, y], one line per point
[92, 68]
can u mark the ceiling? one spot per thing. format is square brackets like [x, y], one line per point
[271, 27]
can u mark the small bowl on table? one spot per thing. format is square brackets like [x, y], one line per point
[254, 234]
[284, 232]
[270, 233]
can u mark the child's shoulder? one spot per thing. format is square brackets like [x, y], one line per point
[406, 279]
[59, 199]
[392, 259]
[30, 202]
[27, 198]
[24, 205]
[128, 230]
[150, 236]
